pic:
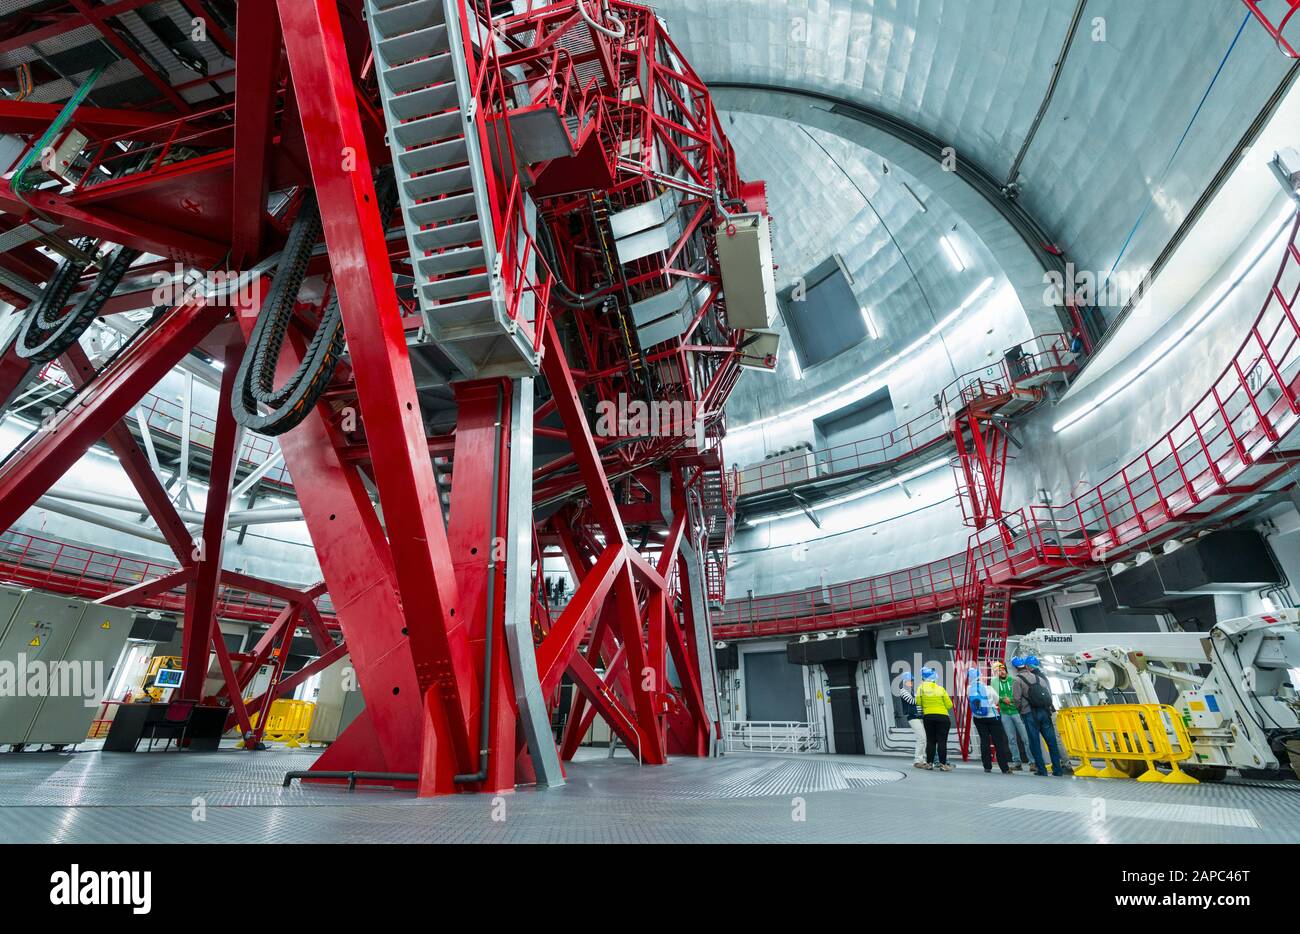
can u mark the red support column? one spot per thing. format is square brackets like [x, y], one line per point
[357, 565]
[354, 233]
[201, 596]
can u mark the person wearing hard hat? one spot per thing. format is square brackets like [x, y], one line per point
[1013, 725]
[988, 722]
[1033, 697]
[935, 707]
[912, 713]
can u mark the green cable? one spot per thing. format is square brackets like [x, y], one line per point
[17, 183]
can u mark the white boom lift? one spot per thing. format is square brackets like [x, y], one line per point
[1236, 688]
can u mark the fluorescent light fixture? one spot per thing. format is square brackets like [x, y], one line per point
[838, 394]
[858, 494]
[872, 331]
[950, 249]
[1190, 324]
[795, 369]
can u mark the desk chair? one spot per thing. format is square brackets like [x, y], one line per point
[174, 724]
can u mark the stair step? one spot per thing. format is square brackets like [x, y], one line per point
[466, 313]
[459, 287]
[438, 183]
[393, 19]
[488, 327]
[448, 235]
[436, 156]
[420, 73]
[444, 209]
[427, 129]
[441, 264]
[401, 49]
[424, 102]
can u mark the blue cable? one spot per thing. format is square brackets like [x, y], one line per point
[1151, 198]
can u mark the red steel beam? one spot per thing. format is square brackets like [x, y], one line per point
[145, 590]
[201, 596]
[117, 388]
[256, 83]
[136, 466]
[354, 234]
[357, 565]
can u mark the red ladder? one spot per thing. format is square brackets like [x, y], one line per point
[981, 640]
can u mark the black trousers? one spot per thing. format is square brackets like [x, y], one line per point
[936, 737]
[991, 733]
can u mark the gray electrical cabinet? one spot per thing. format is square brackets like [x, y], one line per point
[57, 651]
[96, 645]
[336, 705]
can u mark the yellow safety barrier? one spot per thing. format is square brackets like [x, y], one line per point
[288, 722]
[1138, 733]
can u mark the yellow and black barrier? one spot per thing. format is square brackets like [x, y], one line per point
[1138, 733]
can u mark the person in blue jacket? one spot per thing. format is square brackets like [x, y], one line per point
[988, 722]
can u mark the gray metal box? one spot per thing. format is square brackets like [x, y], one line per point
[748, 278]
[40, 633]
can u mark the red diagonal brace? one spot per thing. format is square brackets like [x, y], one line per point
[48, 456]
[137, 467]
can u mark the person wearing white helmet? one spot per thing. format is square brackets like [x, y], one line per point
[912, 713]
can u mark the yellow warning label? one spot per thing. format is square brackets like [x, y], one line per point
[105, 625]
[36, 642]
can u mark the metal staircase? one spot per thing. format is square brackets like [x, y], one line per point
[981, 640]
[434, 132]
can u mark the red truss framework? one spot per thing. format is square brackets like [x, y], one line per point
[437, 598]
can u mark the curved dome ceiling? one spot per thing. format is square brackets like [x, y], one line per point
[1141, 117]
[831, 197]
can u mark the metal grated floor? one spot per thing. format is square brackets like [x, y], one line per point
[234, 796]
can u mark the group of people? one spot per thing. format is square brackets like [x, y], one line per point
[1015, 706]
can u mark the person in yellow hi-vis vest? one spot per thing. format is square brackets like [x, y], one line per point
[935, 706]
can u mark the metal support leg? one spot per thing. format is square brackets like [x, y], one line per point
[534, 716]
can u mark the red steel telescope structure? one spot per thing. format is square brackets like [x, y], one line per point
[465, 262]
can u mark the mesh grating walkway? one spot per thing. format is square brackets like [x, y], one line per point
[233, 796]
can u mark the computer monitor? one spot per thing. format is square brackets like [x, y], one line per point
[168, 678]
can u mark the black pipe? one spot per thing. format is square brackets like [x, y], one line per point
[485, 701]
[353, 776]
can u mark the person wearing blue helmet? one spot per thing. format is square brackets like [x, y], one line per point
[935, 706]
[988, 722]
[1033, 698]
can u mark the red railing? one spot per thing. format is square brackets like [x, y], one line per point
[1286, 9]
[188, 137]
[1045, 354]
[32, 561]
[926, 588]
[1221, 450]
[166, 417]
[1225, 449]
